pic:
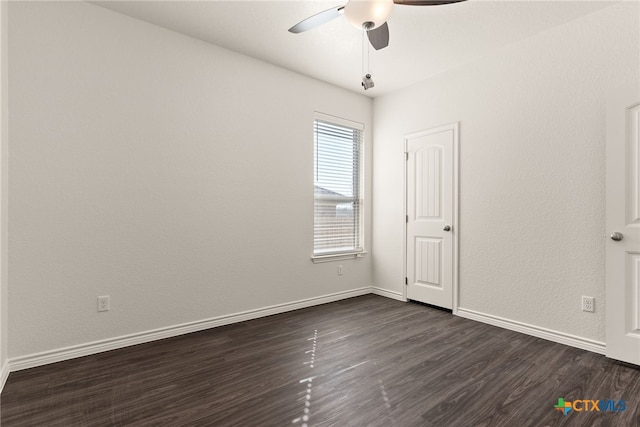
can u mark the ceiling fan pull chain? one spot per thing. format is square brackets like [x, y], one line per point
[368, 58]
[362, 42]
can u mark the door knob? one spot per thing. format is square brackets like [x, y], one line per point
[448, 228]
[616, 236]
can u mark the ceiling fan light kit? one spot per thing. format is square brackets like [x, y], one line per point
[368, 14]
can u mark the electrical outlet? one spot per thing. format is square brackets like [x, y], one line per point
[340, 270]
[103, 303]
[588, 304]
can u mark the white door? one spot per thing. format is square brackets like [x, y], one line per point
[623, 225]
[431, 213]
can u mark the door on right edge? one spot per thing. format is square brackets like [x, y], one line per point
[623, 225]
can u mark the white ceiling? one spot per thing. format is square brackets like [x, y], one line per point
[424, 41]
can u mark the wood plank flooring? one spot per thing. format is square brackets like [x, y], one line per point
[365, 361]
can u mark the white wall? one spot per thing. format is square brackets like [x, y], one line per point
[532, 144]
[170, 174]
[4, 118]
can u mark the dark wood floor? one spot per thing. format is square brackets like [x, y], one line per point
[366, 361]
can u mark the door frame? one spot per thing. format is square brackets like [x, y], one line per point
[455, 127]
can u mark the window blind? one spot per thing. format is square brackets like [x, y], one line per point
[337, 188]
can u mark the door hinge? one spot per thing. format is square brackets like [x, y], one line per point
[406, 218]
[406, 281]
[406, 155]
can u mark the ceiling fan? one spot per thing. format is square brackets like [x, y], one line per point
[370, 15]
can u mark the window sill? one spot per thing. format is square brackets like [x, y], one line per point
[337, 257]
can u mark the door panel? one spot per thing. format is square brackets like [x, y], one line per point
[623, 217]
[633, 293]
[430, 207]
[428, 183]
[428, 261]
[633, 165]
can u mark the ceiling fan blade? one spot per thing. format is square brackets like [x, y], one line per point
[317, 20]
[425, 2]
[379, 37]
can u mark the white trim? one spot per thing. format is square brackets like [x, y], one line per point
[388, 294]
[337, 256]
[536, 331]
[4, 374]
[405, 213]
[456, 216]
[52, 356]
[338, 121]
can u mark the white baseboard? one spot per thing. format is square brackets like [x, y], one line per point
[4, 374]
[72, 352]
[58, 355]
[387, 293]
[536, 331]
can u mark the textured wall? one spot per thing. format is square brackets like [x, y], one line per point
[4, 118]
[532, 140]
[170, 174]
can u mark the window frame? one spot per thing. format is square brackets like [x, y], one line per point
[359, 250]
